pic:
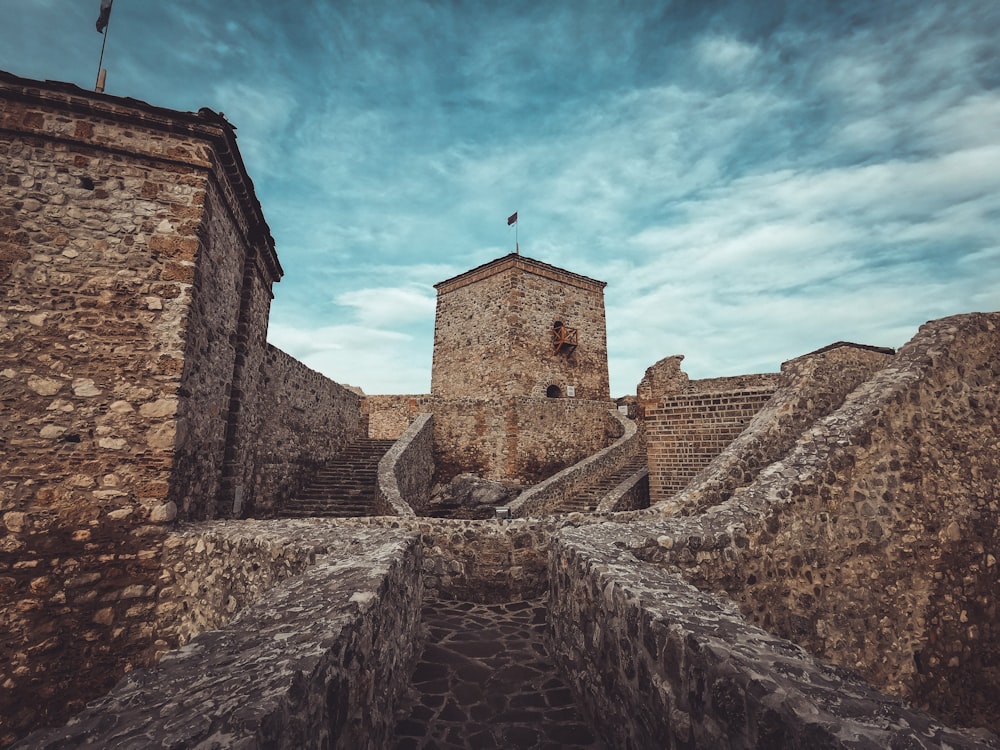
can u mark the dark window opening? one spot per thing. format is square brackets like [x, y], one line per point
[553, 391]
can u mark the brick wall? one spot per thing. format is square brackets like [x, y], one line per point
[687, 430]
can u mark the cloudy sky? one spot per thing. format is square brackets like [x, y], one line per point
[754, 180]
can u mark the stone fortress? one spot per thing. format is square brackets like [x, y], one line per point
[799, 559]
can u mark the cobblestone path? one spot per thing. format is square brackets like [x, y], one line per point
[485, 680]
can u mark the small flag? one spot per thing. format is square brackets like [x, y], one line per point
[512, 219]
[102, 20]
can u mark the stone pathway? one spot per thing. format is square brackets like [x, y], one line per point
[485, 680]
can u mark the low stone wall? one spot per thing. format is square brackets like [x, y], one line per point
[810, 387]
[874, 542]
[406, 471]
[550, 493]
[304, 420]
[660, 664]
[317, 662]
[479, 561]
[631, 494]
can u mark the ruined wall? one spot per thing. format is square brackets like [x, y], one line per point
[874, 542]
[493, 332]
[302, 419]
[809, 387]
[687, 430]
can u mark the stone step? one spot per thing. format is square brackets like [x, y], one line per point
[344, 487]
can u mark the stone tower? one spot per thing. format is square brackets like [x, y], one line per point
[519, 327]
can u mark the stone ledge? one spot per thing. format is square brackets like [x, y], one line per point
[666, 665]
[317, 662]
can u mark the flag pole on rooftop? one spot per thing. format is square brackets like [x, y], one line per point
[103, 21]
[512, 219]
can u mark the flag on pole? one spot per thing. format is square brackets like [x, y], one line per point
[512, 219]
[102, 20]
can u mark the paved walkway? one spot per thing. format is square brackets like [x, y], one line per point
[485, 680]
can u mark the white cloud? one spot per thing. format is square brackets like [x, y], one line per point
[388, 305]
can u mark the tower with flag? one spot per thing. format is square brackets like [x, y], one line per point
[103, 21]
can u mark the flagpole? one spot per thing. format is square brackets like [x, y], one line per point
[101, 72]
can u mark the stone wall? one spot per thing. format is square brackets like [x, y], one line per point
[406, 471]
[874, 542]
[687, 430]
[104, 212]
[317, 662]
[810, 387]
[660, 664]
[548, 494]
[302, 420]
[135, 382]
[493, 332]
[518, 439]
[388, 416]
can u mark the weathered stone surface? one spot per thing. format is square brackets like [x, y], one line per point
[406, 471]
[493, 333]
[472, 493]
[665, 665]
[317, 662]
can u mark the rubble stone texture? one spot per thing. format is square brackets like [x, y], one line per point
[493, 332]
[136, 386]
[857, 516]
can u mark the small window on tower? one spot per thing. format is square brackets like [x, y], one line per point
[553, 391]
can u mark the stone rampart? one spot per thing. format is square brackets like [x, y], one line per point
[303, 419]
[665, 665]
[317, 662]
[543, 497]
[810, 387]
[874, 542]
[406, 471]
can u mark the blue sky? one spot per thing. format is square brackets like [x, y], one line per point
[754, 180]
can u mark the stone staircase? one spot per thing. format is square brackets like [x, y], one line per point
[344, 487]
[587, 499]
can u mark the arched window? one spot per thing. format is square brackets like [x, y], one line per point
[553, 391]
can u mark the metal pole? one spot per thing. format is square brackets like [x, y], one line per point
[101, 73]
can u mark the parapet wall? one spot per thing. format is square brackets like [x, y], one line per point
[406, 471]
[874, 542]
[317, 662]
[665, 665]
[550, 493]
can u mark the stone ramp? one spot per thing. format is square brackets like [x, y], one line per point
[587, 499]
[485, 680]
[343, 488]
